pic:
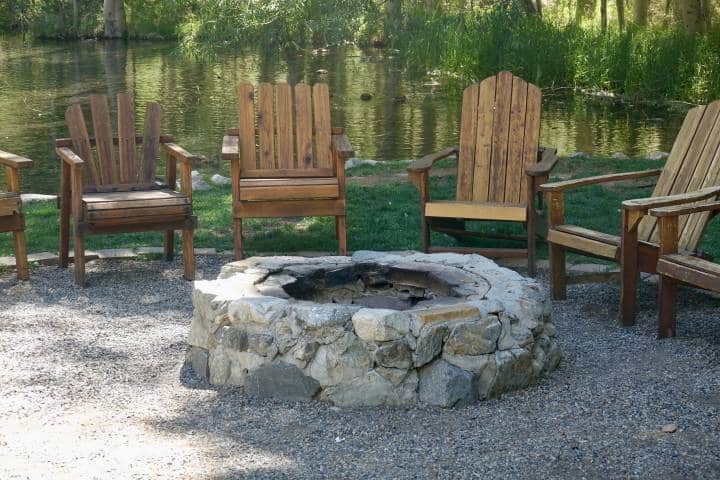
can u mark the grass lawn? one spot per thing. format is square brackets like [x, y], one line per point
[382, 216]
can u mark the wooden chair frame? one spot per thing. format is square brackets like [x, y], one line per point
[260, 182]
[11, 214]
[76, 182]
[691, 174]
[674, 268]
[531, 167]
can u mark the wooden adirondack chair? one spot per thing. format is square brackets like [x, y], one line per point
[11, 214]
[674, 267]
[289, 174]
[118, 193]
[691, 173]
[499, 166]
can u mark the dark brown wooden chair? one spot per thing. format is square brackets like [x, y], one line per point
[499, 167]
[674, 267]
[11, 214]
[691, 174]
[118, 193]
[293, 163]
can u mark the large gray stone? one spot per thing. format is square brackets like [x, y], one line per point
[474, 337]
[429, 343]
[281, 380]
[325, 322]
[372, 390]
[232, 337]
[446, 385]
[380, 325]
[395, 354]
[340, 362]
[198, 358]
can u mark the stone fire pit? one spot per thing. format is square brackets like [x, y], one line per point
[372, 329]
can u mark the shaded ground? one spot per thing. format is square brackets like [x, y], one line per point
[93, 387]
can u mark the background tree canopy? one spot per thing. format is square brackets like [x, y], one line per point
[644, 48]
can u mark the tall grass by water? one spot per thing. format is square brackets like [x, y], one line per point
[650, 63]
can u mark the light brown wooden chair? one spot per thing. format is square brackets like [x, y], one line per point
[674, 267]
[293, 163]
[499, 167]
[691, 174]
[118, 192]
[11, 214]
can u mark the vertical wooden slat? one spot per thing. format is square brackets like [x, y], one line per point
[673, 164]
[103, 138]
[81, 143]
[321, 104]
[151, 142]
[266, 128]
[498, 165]
[283, 116]
[702, 176]
[678, 178]
[514, 170]
[246, 127]
[303, 126]
[531, 142]
[126, 137]
[483, 139]
[466, 156]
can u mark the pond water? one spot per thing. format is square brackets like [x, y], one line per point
[409, 114]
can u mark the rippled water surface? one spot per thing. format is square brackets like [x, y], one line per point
[408, 115]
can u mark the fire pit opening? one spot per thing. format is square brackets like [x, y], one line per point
[372, 285]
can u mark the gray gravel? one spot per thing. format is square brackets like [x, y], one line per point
[92, 386]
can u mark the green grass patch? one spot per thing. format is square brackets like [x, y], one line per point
[380, 217]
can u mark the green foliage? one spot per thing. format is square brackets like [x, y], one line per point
[653, 62]
[280, 24]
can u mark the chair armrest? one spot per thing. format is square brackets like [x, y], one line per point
[341, 144]
[547, 160]
[179, 153]
[582, 182]
[425, 163]
[70, 157]
[678, 210]
[645, 204]
[230, 147]
[14, 161]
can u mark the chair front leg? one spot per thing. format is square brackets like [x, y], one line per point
[667, 286]
[630, 271]
[65, 206]
[556, 216]
[78, 226]
[421, 182]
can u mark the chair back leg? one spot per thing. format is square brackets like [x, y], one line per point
[558, 277]
[237, 236]
[188, 254]
[667, 296]
[21, 260]
[341, 234]
[168, 247]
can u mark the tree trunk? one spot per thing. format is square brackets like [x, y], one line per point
[114, 19]
[690, 15]
[392, 17]
[640, 12]
[620, 5]
[603, 15]
[538, 7]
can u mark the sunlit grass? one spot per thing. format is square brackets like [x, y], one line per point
[380, 217]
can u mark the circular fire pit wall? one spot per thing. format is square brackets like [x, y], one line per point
[372, 329]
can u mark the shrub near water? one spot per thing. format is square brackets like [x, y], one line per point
[652, 62]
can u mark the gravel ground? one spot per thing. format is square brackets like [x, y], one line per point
[93, 387]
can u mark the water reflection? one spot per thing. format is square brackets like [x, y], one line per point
[407, 116]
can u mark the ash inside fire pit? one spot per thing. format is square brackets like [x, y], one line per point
[373, 286]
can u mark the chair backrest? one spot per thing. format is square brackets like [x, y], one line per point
[499, 138]
[293, 134]
[111, 167]
[693, 164]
